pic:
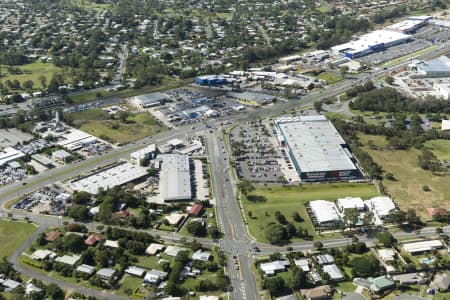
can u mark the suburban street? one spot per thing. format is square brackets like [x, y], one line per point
[236, 241]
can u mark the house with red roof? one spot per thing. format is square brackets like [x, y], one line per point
[196, 210]
[93, 239]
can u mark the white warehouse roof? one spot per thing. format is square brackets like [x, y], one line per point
[316, 145]
[108, 178]
[175, 178]
[324, 211]
[351, 202]
[381, 205]
[9, 154]
[370, 39]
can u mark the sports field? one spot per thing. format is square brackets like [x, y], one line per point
[12, 235]
[407, 188]
[289, 200]
[137, 126]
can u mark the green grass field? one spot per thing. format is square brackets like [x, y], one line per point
[440, 148]
[406, 190]
[97, 123]
[32, 72]
[329, 78]
[167, 84]
[292, 199]
[12, 235]
[128, 284]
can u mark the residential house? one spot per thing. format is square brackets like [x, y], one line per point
[135, 271]
[441, 282]
[201, 255]
[317, 293]
[86, 269]
[154, 248]
[155, 276]
[334, 272]
[106, 273]
[270, 268]
[93, 239]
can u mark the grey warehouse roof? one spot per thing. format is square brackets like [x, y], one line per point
[152, 98]
[315, 144]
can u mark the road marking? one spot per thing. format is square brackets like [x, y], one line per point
[240, 269]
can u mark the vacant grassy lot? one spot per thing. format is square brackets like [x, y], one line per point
[128, 284]
[440, 148]
[330, 78]
[289, 200]
[98, 123]
[32, 72]
[407, 188]
[167, 84]
[12, 235]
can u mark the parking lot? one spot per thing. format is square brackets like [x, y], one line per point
[256, 157]
[395, 52]
[433, 32]
[11, 173]
[51, 200]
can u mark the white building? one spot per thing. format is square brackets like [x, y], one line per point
[9, 154]
[270, 268]
[175, 178]
[423, 246]
[369, 43]
[154, 248]
[445, 125]
[142, 156]
[386, 255]
[381, 206]
[135, 271]
[154, 276]
[324, 213]
[303, 264]
[351, 203]
[109, 178]
[201, 255]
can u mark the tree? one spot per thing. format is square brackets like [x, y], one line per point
[397, 217]
[276, 234]
[28, 85]
[43, 81]
[73, 243]
[79, 212]
[343, 70]
[365, 266]
[318, 245]
[351, 216]
[274, 284]
[389, 176]
[385, 238]
[245, 187]
[123, 115]
[54, 292]
[318, 106]
[196, 228]
[81, 197]
[389, 80]
[213, 231]
[296, 278]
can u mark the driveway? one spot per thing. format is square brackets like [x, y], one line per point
[353, 296]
